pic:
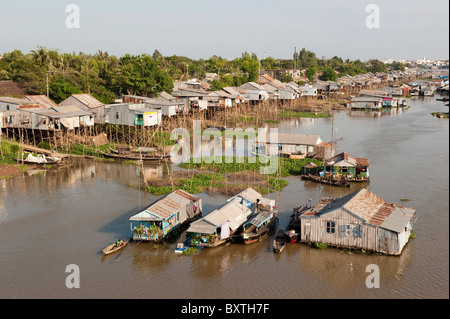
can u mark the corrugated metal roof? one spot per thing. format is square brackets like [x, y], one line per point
[43, 100]
[364, 204]
[260, 218]
[201, 226]
[70, 110]
[88, 100]
[166, 206]
[233, 212]
[398, 219]
[249, 194]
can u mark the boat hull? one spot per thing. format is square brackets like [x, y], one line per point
[317, 179]
[112, 249]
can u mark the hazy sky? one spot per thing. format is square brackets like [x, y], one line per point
[409, 29]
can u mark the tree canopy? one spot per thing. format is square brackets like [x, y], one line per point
[107, 77]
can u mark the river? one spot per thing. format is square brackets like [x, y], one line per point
[63, 217]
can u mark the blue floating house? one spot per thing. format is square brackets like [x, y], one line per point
[166, 216]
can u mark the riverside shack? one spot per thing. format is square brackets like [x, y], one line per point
[360, 220]
[343, 164]
[166, 216]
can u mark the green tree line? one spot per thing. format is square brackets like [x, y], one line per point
[107, 77]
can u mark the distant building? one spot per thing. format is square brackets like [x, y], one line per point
[134, 115]
[88, 103]
[291, 145]
[308, 90]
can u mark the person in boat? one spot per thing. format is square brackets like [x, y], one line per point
[118, 243]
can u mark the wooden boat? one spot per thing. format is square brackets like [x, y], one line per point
[115, 247]
[293, 229]
[279, 242]
[332, 182]
[181, 247]
[137, 156]
[258, 227]
[38, 160]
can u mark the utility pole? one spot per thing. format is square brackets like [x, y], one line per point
[48, 72]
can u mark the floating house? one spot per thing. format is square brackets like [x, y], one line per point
[343, 164]
[166, 216]
[220, 225]
[360, 220]
[365, 102]
[289, 145]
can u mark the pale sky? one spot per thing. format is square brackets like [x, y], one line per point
[409, 29]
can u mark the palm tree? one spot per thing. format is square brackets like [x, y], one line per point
[41, 55]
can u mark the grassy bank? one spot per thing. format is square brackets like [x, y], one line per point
[9, 150]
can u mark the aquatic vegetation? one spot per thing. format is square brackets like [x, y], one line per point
[319, 245]
[302, 114]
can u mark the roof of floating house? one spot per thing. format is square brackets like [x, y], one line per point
[234, 213]
[368, 207]
[166, 206]
[344, 159]
[249, 194]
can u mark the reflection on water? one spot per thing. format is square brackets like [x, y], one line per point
[64, 216]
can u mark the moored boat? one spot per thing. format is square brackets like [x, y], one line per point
[322, 180]
[40, 159]
[182, 247]
[137, 156]
[261, 224]
[115, 247]
[279, 242]
[293, 229]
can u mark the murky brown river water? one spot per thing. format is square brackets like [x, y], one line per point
[55, 219]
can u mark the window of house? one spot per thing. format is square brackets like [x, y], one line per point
[331, 227]
[344, 230]
[117, 115]
[357, 231]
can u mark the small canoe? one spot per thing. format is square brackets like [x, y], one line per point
[114, 247]
[279, 242]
